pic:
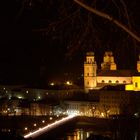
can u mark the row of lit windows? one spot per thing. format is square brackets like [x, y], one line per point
[111, 81]
[5, 130]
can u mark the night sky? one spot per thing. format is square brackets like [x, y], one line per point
[43, 40]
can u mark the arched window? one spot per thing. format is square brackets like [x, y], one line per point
[109, 81]
[103, 81]
[124, 82]
[117, 81]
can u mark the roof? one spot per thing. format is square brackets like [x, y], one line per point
[114, 73]
[90, 53]
[114, 87]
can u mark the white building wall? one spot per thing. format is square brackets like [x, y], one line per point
[114, 80]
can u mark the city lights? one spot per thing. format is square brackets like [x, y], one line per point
[34, 124]
[52, 84]
[68, 82]
[51, 118]
[26, 128]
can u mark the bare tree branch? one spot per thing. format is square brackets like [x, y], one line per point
[129, 25]
[106, 16]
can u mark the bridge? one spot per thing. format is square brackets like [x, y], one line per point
[49, 127]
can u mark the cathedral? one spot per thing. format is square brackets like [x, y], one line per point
[95, 78]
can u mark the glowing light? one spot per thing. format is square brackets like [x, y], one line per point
[52, 84]
[48, 127]
[20, 97]
[69, 83]
[136, 114]
[51, 118]
[43, 121]
[5, 111]
[102, 114]
[34, 124]
[26, 128]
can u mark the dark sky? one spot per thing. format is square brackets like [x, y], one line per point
[42, 40]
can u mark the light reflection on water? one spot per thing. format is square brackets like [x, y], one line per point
[136, 135]
[83, 134]
[77, 134]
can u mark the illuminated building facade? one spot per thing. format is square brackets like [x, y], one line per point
[111, 102]
[90, 69]
[108, 62]
[108, 74]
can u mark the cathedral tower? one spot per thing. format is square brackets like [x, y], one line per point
[90, 70]
[108, 62]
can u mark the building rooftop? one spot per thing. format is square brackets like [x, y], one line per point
[90, 53]
[116, 73]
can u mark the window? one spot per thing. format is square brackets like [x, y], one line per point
[87, 74]
[117, 81]
[136, 84]
[87, 83]
[124, 82]
[91, 60]
[103, 81]
[109, 81]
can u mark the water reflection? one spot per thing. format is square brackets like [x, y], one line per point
[78, 134]
[83, 134]
[136, 135]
